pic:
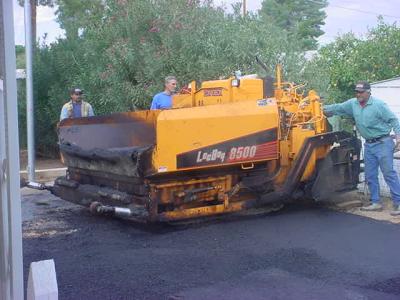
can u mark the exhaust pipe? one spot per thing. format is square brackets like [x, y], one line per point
[98, 208]
[36, 185]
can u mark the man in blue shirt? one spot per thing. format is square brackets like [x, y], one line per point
[76, 107]
[163, 100]
[374, 120]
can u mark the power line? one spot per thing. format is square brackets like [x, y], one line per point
[359, 10]
[366, 12]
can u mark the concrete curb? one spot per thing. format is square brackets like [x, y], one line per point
[347, 204]
[44, 175]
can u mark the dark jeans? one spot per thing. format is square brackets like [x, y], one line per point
[380, 154]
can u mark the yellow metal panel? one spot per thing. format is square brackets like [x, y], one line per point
[183, 130]
[182, 100]
[220, 91]
[298, 137]
[249, 89]
[204, 211]
[284, 153]
[214, 92]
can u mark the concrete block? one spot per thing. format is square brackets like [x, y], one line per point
[42, 281]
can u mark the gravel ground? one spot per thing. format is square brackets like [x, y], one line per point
[297, 253]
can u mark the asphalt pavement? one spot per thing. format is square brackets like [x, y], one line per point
[300, 252]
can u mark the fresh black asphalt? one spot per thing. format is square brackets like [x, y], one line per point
[301, 252]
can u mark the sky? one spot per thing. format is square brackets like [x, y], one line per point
[342, 16]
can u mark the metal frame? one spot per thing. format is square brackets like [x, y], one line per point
[30, 116]
[11, 267]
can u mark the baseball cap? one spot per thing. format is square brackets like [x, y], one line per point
[362, 86]
[76, 91]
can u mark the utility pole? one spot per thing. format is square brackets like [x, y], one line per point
[30, 117]
[11, 270]
[244, 8]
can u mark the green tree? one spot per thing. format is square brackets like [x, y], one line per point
[20, 56]
[350, 59]
[134, 45]
[75, 15]
[34, 4]
[302, 19]
[119, 54]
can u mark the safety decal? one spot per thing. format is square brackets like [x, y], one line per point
[212, 92]
[265, 102]
[262, 102]
[162, 169]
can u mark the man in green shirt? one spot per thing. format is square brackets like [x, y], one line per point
[374, 120]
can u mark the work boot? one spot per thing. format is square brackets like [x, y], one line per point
[372, 207]
[396, 211]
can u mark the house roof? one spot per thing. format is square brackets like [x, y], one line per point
[386, 80]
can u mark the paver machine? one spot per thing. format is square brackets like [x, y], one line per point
[225, 146]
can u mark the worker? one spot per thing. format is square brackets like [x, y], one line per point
[163, 100]
[374, 120]
[76, 107]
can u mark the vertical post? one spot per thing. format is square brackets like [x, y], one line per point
[244, 8]
[11, 276]
[30, 117]
[278, 85]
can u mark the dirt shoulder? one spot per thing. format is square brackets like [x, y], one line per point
[352, 202]
[383, 215]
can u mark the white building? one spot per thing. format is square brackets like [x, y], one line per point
[21, 74]
[388, 91]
